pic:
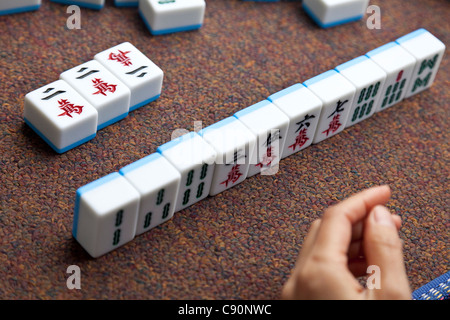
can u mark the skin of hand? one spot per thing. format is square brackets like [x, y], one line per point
[352, 235]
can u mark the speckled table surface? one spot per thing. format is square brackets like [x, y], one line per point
[242, 243]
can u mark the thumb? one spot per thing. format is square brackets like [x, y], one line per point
[383, 249]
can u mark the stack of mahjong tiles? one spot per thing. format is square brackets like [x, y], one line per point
[112, 210]
[91, 96]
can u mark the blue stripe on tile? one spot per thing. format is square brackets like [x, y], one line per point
[86, 188]
[284, 92]
[320, 77]
[411, 35]
[330, 24]
[19, 10]
[351, 63]
[81, 4]
[378, 50]
[139, 163]
[143, 103]
[252, 108]
[176, 141]
[59, 150]
[167, 31]
[217, 125]
[113, 120]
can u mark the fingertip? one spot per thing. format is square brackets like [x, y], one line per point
[386, 189]
[397, 221]
[383, 216]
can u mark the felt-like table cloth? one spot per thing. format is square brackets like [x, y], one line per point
[241, 243]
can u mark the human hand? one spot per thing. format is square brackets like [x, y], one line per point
[353, 234]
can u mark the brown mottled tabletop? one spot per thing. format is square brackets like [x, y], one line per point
[241, 243]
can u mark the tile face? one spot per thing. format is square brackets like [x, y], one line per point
[101, 89]
[194, 159]
[428, 52]
[234, 144]
[167, 16]
[303, 110]
[135, 70]
[91, 4]
[337, 95]
[269, 124]
[398, 65]
[18, 6]
[157, 182]
[105, 214]
[368, 79]
[329, 13]
[61, 116]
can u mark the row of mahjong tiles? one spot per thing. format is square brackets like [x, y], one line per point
[112, 210]
[87, 98]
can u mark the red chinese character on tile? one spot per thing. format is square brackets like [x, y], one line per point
[233, 175]
[121, 57]
[103, 87]
[68, 108]
[334, 125]
[267, 158]
[300, 140]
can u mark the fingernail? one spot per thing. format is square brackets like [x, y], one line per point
[383, 216]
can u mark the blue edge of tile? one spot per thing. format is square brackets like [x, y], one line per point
[19, 10]
[81, 4]
[103, 125]
[143, 103]
[167, 31]
[92, 185]
[126, 4]
[139, 163]
[113, 120]
[73, 145]
[331, 24]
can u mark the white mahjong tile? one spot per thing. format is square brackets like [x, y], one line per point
[398, 65]
[157, 182]
[106, 212]
[368, 79]
[428, 51]
[269, 124]
[102, 89]
[194, 158]
[337, 94]
[303, 110]
[143, 77]
[234, 144]
[60, 116]
[168, 16]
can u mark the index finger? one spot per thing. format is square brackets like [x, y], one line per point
[335, 233]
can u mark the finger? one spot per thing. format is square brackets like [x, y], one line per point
[356, 247]
[358, 228]
[383, 248]
[310, 239]
[335, 231]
